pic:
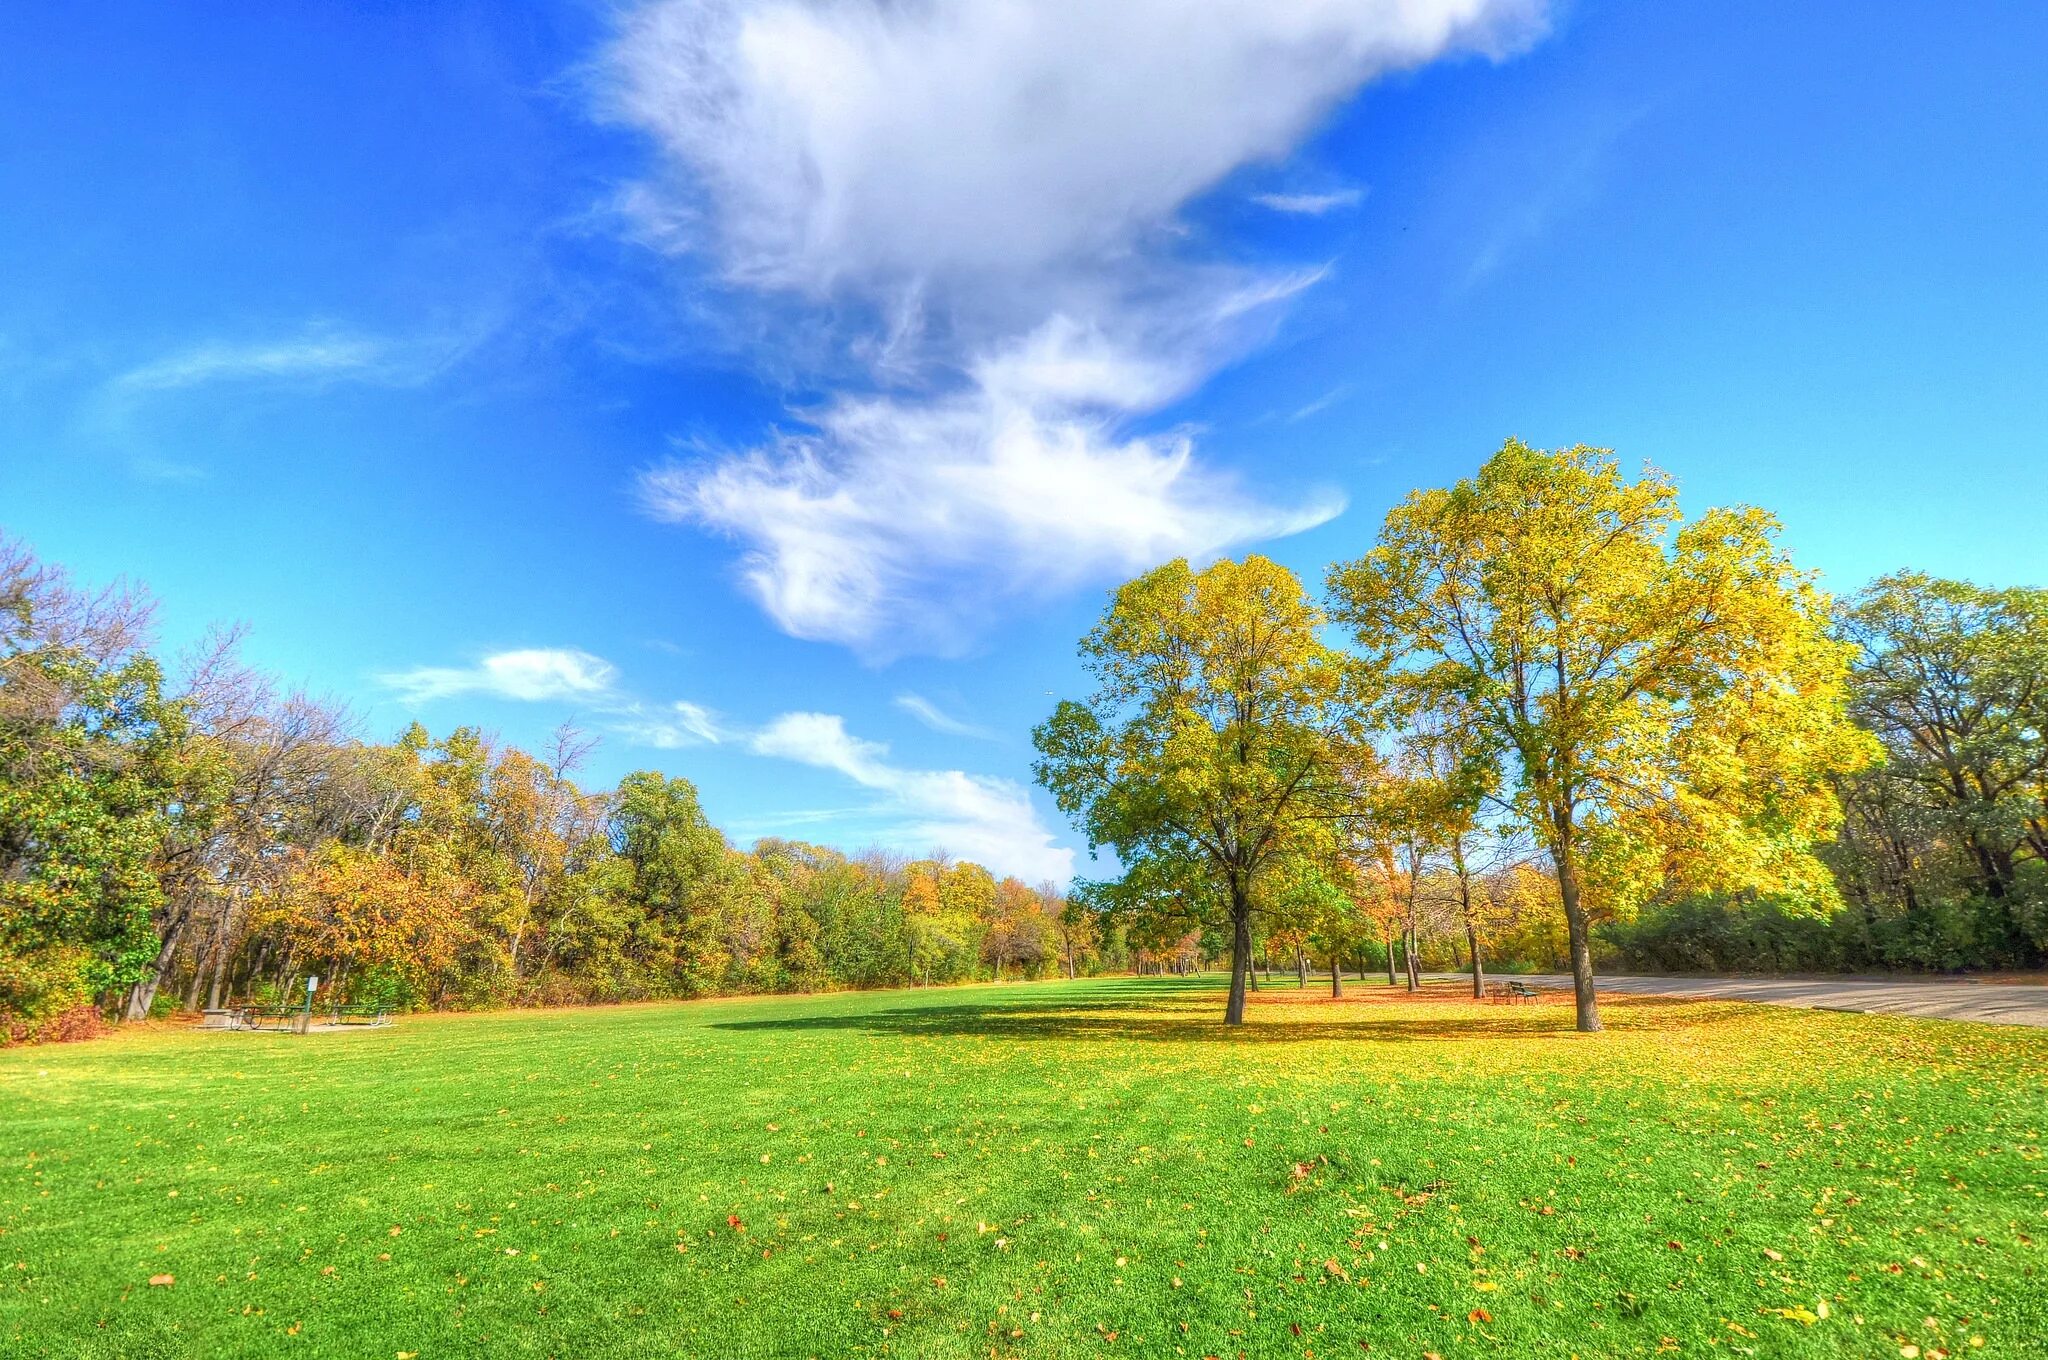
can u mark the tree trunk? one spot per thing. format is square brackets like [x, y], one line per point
[1471, 926]
[142, 995]
[1300, 969]
[1336, 978]
[1240, 954]
[200, 958]
[1390, 960]
[1588, 1005]
[1408, 951]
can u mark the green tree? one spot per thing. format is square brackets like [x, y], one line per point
[1664, 694]
[676, 864]
[1209, 756]
[92, 758]
[88, 769]
[1952, 679]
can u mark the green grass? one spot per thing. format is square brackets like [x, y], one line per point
[1042, 1170]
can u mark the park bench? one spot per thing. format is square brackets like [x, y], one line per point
[1521, 991]
[292, 1017]
[354, 1015]
[268, 1017]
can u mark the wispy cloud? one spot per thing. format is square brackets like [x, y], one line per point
[966, 215]
[897, 522]
[1310, 205]
[1557, 184]
[532, 673]
[543, 674]
[982, 818]
[316, 356]
[672, 727]
[932, 716]
[1320, 404]
[213, 361]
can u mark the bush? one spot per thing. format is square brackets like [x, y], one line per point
[69, 1026]
[1714, 935]
[43, 990]
[383, 986]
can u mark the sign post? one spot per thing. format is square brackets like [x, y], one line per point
[306, 1017]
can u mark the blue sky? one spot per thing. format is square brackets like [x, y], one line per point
[776, 389]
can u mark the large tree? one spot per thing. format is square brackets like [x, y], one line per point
[93, 759]
[1664, 694]
[1952, 679]
[1208, 758]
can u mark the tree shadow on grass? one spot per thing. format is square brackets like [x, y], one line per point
[1122, 1021]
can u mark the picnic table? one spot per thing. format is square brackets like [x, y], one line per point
[297, 1019]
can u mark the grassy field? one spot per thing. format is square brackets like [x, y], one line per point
[1042, 1170]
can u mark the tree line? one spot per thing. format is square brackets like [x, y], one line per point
[191, 835]
[1544, 719]
[1544, 693]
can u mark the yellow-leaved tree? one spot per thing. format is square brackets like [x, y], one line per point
[1663, 696]
[1211, 756]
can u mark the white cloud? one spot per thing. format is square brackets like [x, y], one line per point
[539, 674]
[679, 725]
[932, 716]
[985, 195]
[317, 355]
[897, 521]
[532, 673]
[977, 817]
[1310, 205]
[1322, 403]
[862, 144]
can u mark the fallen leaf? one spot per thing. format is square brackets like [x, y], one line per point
[1478, 1315]
[163, 1279]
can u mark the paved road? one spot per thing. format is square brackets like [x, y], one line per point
[1996, 1002]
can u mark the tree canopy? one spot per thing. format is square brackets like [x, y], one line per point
[1209, 759]
[1665, 694]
